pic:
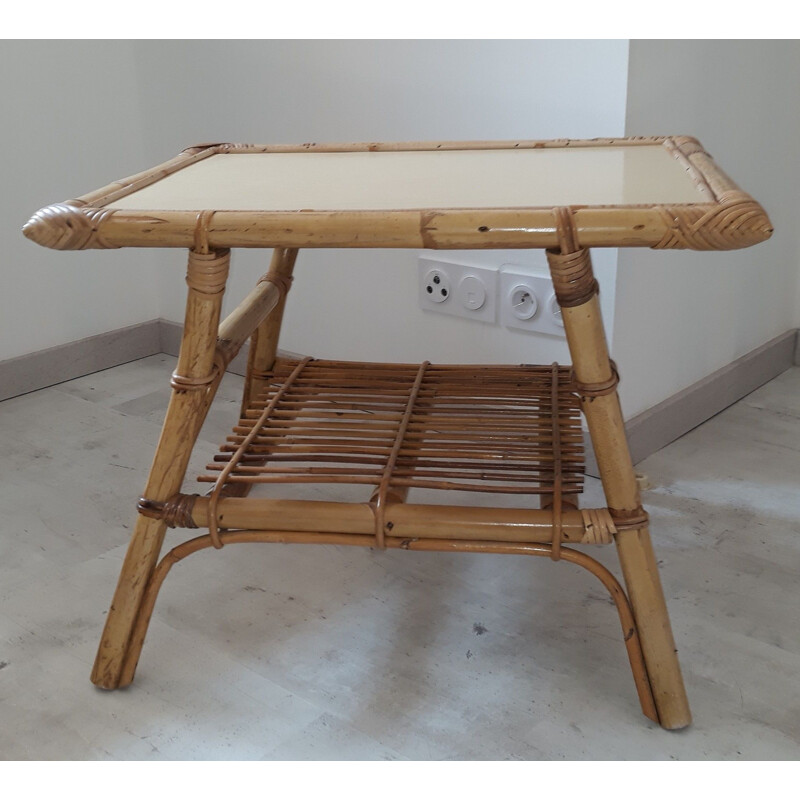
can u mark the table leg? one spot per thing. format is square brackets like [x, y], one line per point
[264, 342]
[596, 380]
[194, 383]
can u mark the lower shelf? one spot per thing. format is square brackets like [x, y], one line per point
[506, 429]
[394, 428]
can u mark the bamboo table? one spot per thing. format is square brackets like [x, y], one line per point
[396, 427]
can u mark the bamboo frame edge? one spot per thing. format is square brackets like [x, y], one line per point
[736, 223]
[735, 220]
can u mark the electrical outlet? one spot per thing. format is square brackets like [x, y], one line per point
[436, 285]
[527, 302]
[458, 289]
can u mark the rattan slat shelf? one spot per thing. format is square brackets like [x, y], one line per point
[397, 428]
[486, 429]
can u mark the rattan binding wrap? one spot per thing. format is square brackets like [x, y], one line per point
[208, 272]
[600, 526]
[573, 280]
[175, 512]
[733, 224]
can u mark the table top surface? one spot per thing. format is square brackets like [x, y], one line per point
[656, 192]
[422, 180]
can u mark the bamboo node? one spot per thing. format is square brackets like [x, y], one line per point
[688, 145]
[428, 229]
[282, 282]
[592, 390]
[184, 383]
[629, 519]
[565, 229]
[203, 223]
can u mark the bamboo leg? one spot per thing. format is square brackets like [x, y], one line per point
[194, 383]
[596, 379]
[264, 342]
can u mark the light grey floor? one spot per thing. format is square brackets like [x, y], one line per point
[294, 652]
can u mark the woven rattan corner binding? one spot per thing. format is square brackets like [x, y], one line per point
[394, 428]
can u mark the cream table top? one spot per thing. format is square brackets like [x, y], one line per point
[422, 179]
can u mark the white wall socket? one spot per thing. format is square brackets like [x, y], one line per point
[469, 292]
[527, 302]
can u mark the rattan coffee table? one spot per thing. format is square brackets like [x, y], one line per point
[397, 427]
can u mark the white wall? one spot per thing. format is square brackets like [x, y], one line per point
[71, 123]
[363, 304]
[79, 114]
[681, 315]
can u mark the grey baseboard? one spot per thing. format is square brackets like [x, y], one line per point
[647, 432]
[662, 424]
[72, 360]
[677, 415]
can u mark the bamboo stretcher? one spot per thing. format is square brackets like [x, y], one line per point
[394, 428]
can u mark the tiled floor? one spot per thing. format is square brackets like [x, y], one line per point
[294, 652]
